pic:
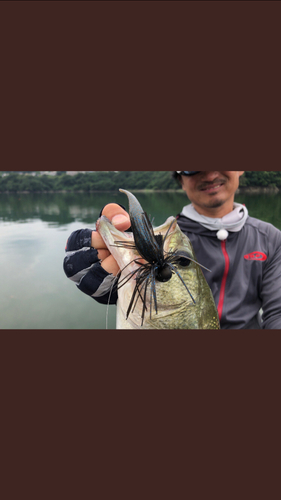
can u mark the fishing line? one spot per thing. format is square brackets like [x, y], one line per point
[108, 302]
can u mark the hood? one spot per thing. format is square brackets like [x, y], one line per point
[232, 222]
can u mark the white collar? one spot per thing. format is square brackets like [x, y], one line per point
[233, 222]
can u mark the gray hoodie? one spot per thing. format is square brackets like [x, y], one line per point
[245, 267]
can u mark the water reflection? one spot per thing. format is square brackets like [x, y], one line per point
[56, 208]
[266, 207]
[60, 209]
[63, 208]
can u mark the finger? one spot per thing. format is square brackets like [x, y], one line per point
[97, 241]
[110, 265]
[117, 216]
[102, 254]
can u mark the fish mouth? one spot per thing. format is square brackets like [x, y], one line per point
[105, 227]
[107, 230]
[119, 243]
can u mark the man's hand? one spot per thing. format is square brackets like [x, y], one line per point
[121, 220]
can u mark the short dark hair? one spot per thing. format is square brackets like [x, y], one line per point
[177, 177]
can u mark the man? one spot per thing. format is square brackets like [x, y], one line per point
[243, 253]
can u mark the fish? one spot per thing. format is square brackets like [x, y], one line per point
[160, 284]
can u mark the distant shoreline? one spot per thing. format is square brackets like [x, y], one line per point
[257, 190]
[240, 190]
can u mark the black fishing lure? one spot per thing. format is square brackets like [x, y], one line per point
[160, 265]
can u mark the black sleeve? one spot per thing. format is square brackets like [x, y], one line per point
[82, 266]
[78, 240]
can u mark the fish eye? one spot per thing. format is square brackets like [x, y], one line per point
[184, 262]
[183, 259]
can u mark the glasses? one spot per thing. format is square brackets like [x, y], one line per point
[184, 172]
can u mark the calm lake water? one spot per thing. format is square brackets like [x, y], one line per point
[35, 292]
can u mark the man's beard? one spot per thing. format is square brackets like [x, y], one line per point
[214, 204]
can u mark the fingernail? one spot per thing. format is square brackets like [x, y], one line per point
[119, 219]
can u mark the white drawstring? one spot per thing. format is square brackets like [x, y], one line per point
[222, 234]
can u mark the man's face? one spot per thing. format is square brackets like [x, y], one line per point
[208, 191]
